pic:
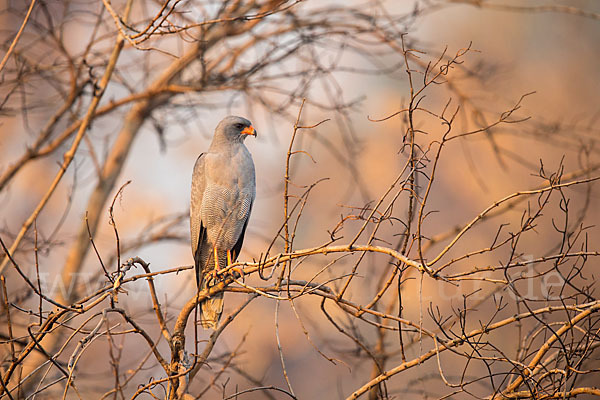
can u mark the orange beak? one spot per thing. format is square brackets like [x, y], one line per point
[249, 130]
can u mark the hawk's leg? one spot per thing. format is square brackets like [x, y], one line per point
[213, 275]
[239, 270]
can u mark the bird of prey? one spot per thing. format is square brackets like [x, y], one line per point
[223, 191]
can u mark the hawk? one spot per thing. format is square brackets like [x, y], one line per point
[223, 191]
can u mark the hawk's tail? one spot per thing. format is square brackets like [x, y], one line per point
[211, 309]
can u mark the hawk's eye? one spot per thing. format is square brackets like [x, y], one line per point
[239, 126]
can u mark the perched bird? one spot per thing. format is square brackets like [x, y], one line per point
[223, 191]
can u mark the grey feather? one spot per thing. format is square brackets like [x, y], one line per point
[223, 192]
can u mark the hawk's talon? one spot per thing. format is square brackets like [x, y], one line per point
[213, 276]
[239, 271]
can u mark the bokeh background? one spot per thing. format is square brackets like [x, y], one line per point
[546, 48]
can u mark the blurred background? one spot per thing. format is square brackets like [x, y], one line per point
[346, 60]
